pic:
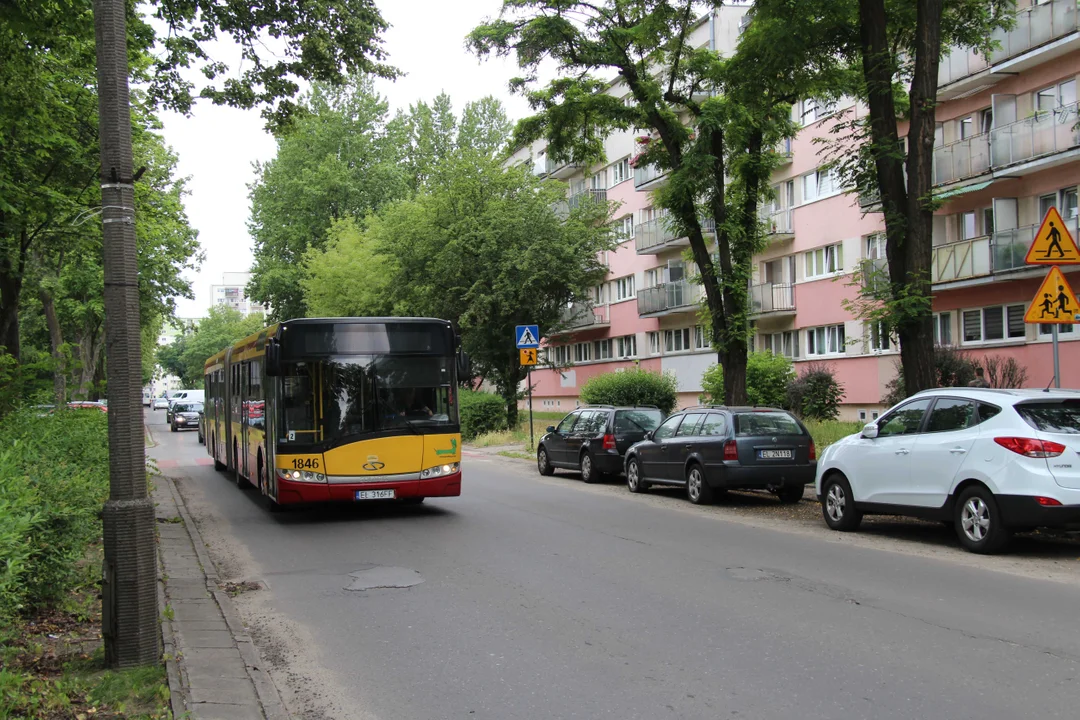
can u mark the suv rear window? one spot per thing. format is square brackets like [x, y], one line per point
[765, 423]
[1060, 417]
[628, 421]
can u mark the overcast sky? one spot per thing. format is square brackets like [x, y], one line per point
[217, 146]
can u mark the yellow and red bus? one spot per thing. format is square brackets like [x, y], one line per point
[339, 409]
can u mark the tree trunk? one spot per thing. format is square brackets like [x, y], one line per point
[10, 291]
[56, 340]
[129, 586]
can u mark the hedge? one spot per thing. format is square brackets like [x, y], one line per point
[632, 387]
[481, 412]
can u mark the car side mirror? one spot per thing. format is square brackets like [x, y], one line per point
[870, 431]
[550, 429]
[464, 365]
[648, 435]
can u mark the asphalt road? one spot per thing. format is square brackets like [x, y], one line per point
[542, 598]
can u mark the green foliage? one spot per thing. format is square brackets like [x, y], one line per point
[186, 356]
[816, 394]
[956, 368]
[481, 412]
[633, 386]
[826, 432]
[54, 478]
[767, 380]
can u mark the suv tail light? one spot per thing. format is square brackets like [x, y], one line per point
[609, 442]
[731, 450]
[1030, 447]
[813, 451]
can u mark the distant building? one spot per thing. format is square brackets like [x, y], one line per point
[232, 293]
[174, 328]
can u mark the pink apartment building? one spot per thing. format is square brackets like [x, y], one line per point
[1008, 148]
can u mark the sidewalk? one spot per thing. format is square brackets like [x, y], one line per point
[213, 667]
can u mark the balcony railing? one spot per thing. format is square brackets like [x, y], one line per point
[1010, 247]
[556, 167]
[1044, 133]
[667, 297]
[656, 235]
[771, 297]
[1035, 25]
[961, 260]
[591, 195]
[962, 159]
[582, 315]
[645, 174]
[778, 222]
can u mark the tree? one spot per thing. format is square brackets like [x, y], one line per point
[489, 248]
[708, 124]
[337, 161]
[186, 355]
[886, 54]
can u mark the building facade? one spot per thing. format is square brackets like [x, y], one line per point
[232, 293]
[1007, 149]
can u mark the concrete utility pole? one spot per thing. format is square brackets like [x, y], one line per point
[129, 621]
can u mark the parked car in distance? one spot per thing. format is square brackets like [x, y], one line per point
[185, 415]
[712, 449]
[989, 462]
[182, 395]
[593, 439]
[161, 403]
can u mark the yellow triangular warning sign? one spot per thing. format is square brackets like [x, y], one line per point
[1055, 302]
[1053, 244]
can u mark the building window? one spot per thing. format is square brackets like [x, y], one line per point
[624, 228]
[600, 294]
[1046, 331]
[654, 343]
[602, 349]
[700, 342]
[582, 352]
[626, 346]
[1055, 96]
[560, 353]
[619, 171]
[875, 246]
[862, 415]
[827, 340]
[879, 337]
[624, 288]
[943, 328]
[782, 343]
[813, 110]
[653, 277]
[991, 324]
[820, 184]
[677, 340]
[825, 261]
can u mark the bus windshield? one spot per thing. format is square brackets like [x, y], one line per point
[347, 396]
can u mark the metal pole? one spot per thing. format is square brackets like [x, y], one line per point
[1057, 366]
[129, 622]
[528, 381]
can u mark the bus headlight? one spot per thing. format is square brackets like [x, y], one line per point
[301, 476]
[439, 471]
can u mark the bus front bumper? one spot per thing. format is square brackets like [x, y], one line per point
[291, 492]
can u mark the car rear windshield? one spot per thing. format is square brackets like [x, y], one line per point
[637, 420]
[764, 422]
[1059, 417]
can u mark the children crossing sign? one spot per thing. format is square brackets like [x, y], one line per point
[527, 336]
[1055, 302]
[1053, 244]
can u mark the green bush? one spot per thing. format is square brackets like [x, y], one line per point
[952, 368]
[633, 386]
[767, 380]
[815, 394]
[481, 412]
[54, 478]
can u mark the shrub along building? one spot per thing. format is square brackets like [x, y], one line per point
[1007, 149]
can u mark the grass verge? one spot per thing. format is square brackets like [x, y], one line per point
[826, 432]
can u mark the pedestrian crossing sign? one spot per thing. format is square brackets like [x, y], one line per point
[527, 336]
[1053, 244]
[1055, 303]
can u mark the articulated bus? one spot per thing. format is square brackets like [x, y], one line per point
[339, 409]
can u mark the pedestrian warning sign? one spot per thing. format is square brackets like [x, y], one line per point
[1055, 302]
[1053, 244]
[527, 336]
[528, 356]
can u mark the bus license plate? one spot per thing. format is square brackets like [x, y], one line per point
[774, 454]
[375, 494]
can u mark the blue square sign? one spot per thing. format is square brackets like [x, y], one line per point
[527, 336]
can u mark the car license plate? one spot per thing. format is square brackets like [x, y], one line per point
[375, 494]
[774, 454]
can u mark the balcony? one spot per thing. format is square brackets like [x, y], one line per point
[668, 298]
[961, 160]
[963, 71]
[961, 260]
[772, 298]
[655, 236]
[779, 224]
[581, 316]
[592, 195]
[560, 170]
[646, 175]
[1041, 136]
[1010, 247]
[784, 151]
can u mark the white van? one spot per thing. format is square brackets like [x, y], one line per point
[178, 395]
[147, 396]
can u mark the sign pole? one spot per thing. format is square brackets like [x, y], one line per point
[528, 382]
[1057, 367]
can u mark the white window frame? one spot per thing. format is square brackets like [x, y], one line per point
[655, 343]
[624, 288]
[582, 352]
[821, 179]
[942, 328]
[619, 172]
[624, 226]
[826, 340]
[784, 343]
[626, 347]
[1073, 331]
[1017, 308]
[879, 339]
[700, 341]
[654, 276]
[677, 340]
[817, 261]
[602, 349]
[810, 111]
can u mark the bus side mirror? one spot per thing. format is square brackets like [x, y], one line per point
[273, 358]
[464, 365]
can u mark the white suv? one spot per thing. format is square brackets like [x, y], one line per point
[989, 462]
